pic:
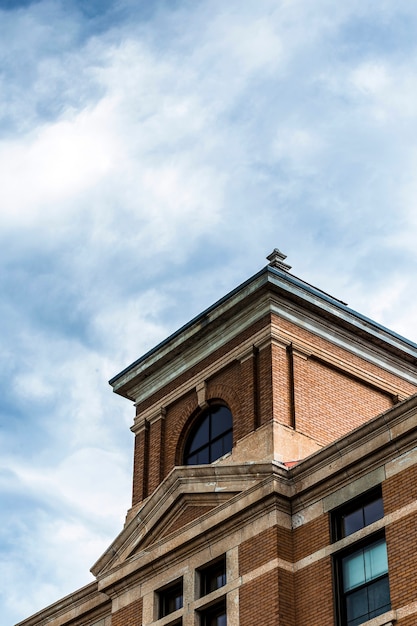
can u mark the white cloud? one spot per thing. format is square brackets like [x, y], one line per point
[147, 167]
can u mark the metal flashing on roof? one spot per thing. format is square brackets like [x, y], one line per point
[274, 277]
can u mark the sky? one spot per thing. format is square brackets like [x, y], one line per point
[152, 154]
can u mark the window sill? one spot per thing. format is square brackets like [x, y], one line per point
[386, 619]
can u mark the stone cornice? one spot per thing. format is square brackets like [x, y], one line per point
[268, 291]
[255, 490]
[361, 451]
[205, 479]
[236, 354]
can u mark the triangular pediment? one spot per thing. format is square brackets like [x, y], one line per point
[186, 498]
[186, 509]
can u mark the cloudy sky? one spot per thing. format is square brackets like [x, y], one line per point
[152, 153]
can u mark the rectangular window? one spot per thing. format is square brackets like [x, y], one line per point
[214, 615]
[212, 576]
[364, 581]
[361, 571]
[358, 514]
[170, 599]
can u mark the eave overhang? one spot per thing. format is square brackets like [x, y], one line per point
[264, 293]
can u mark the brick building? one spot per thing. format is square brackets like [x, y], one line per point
[275, 471]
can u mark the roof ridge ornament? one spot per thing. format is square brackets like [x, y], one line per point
[276, 259]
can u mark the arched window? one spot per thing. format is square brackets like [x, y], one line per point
[211, 437]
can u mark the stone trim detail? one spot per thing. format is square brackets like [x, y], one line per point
[201, 390]
[304, 348]
[206, 373]
[160, 415]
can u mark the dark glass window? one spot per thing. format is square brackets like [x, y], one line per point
[361, 571]
[214, 615]
[361, 512]
[365, 586]
[170, 599]
[212, 577]
[211, 437]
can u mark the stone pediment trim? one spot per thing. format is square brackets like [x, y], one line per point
[184, 502]
[216, 484]
[264, 489]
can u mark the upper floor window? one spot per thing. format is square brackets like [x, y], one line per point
[212, 576]
[362, 585]
[361, 512]
[211, 437]
[215, 615]
[170, 598]
[365, 586]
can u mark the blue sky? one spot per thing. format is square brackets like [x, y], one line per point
[151, 155]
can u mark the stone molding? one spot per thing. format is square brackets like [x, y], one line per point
[201, 389]
[322, 316]
[205, 374]
[307, 349]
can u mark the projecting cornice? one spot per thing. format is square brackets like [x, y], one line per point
[271, 291]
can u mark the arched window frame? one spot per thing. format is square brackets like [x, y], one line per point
[216, 441]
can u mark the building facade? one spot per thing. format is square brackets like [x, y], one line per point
[275, 471]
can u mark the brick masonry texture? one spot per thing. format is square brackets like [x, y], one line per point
[400, 489]
[259, 601]
[286, 607]
[258, 550]
[321, 343]
[130, 615]
[188, 515]
[328, 403]
[311, 537]
[217, 354]
[322, 396]
[402, 560]
[281, 385]
[314, 594]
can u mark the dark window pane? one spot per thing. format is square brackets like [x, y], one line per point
[201, 436]
[379, 597]
[227, 442]
[203, 456]
[373, 511]
[216, 450]
[368, 602]
[214, 616]
[212, 438]
[221, 421]
[352, 522]
[213, 577]
[357, 607]
[170, 599]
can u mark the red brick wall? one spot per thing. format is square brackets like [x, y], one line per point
[281, 385]
[314, 594]
[400, 489]
[311, 537]
[265, 385]
[130, 615]
[305, 335]
[140, 468]
[258, 550]
[329, 404]
[188, 515]
[248, 386]
[259, 601]
[402, 560]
